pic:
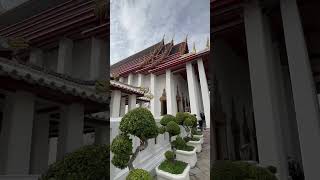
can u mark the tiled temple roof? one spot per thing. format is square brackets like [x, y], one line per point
[73, 19]
[126, 88]
[149, 58]
[38, 76]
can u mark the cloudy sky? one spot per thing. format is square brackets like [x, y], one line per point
[138, 24]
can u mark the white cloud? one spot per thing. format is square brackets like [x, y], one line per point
[137, 24]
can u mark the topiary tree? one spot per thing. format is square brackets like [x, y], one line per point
[191, 123]
[173, 129]
[138, 122]
[87, 163]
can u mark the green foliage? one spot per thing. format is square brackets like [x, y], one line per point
[87, 163]
[173, 167]
[181, 117]
[191, 121]
[228, 170]
[139, 174]
[272, 169]
[173, 128]
[187, 139]
[139, 122]
[169, 155]
[120, 160]
[195, 132]
[180, 144]
[122, 144]
[166, 119]
[162, 130]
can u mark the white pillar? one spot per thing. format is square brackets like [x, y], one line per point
[95, 59]
[303, 88]
[40, 144]
[115, 103]
[70, 129]
[102, 135]
[153, 87]
[171, 98]
[132, 101]
[264, 91]
[140, 80]
[204, 91]
[121, 79]
[130, 79]
[65, 56]
[123, 106]
[16, 134]
[36, 57]
[193, 95]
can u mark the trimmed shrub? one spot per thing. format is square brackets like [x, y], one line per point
[181, 117]
[120, 160]
[180, 144]
[169, 155]
[87, 163]
[139, 122]
[228, 170]
[139, 174]
[162, 130]
[121, 144]
[173, 128]
[173, 167]
[191, 121]
[166, 119]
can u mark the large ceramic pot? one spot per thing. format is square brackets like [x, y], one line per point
[189, 157]
[196, 144]
[200, 137]
[162, 175]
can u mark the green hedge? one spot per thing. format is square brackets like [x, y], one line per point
[229, 170]
[87, 163]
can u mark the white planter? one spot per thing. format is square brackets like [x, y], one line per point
[189, 157]
[200, 137]
[162, 175]
[196, 144]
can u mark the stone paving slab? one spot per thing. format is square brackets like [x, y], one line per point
[202, 169]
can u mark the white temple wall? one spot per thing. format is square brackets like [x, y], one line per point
[233, 79]
[81, 59]
[51, 59]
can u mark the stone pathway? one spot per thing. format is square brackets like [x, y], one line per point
[202, 169]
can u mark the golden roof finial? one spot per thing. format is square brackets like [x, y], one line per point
[186, 39]
[164, 35]
[208, 43]
[194, 47]
[172, 38]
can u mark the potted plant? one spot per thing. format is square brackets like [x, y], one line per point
[190, 123]
[140, 123]
[172, 168]
[184, 152]
[197, 134]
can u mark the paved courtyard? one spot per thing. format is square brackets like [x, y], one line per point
[202, 169]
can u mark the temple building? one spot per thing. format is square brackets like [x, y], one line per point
[51, 56]
[170, 79]
[265, 69]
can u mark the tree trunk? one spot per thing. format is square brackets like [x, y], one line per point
[142, 146]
